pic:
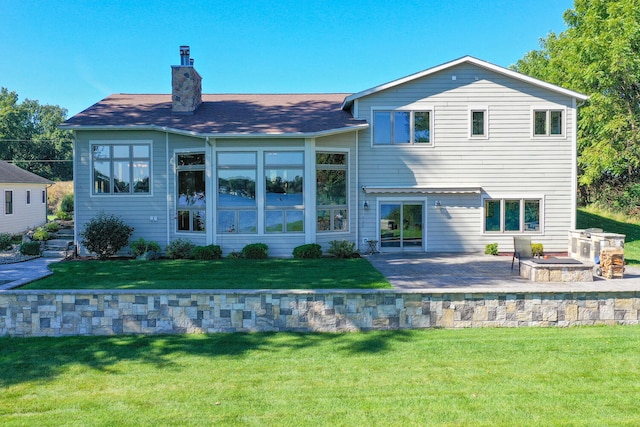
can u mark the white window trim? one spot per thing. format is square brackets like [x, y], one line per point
[548, 109]
[411, 110]
[522, 199]
[350, 209]
[189, 233]
[121, 142]
[4, 201]
[485, 110]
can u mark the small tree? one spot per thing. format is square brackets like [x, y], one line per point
[105, 235]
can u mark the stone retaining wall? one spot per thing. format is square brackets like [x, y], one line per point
[56, 313]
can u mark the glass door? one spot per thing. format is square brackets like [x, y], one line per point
[401, 226]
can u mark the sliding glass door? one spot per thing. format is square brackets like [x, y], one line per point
[401, 226]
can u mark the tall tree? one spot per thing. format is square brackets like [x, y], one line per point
[599, 54]
[29, 137]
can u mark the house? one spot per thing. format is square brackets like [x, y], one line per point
[445, 160]
[24, 199]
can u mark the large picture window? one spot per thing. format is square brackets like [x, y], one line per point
[284, 191]
[192, 201]
[331, 192]
[237, 208]
[402, 127]
[121, 169]
[512, 215]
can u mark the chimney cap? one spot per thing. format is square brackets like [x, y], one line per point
[184, 55]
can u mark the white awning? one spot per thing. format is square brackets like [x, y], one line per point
[421, 190]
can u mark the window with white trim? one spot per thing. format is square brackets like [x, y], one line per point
[548, 123]
[478, 123]
[284, 191]
[331, 192]
[402, 127]
[192, 196]
[237, 208]
[512, 215]
[8, 202]
[121, 169]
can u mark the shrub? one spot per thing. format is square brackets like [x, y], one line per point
[255, 251]
[66, 204]
[30, 248]
[180, 249]
[5, 241]
[41, 234]
[206, 253]
[105, 235]
[491, 249]
[537, 249]
[234, 255]
[342, 249]
[311, 250]
[141, 246]
[52, 227]
[63, 216]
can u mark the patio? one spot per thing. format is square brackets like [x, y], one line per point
[474, 273]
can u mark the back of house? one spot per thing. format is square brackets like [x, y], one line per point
[448, 159]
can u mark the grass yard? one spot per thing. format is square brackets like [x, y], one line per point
[592, 218]
[479, 377]
[354, 273]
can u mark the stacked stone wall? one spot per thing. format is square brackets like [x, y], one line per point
[57, 313]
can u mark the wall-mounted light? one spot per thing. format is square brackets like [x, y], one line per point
[366, 205]
[438, 204]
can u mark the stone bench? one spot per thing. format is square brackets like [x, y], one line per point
[556, 270]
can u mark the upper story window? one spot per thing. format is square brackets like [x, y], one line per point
[548, 122]
[121, 168]
[402, 127]
[478, 123]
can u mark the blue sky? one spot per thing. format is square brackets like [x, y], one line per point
[74, 53]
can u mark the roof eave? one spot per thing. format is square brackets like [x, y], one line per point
[327, 132]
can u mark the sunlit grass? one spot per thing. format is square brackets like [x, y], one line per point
[332, 273]
[503, 377]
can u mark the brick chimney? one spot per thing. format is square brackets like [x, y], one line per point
[186, 85]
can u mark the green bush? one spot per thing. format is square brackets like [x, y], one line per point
[235, 255]
[5, 241]
[105, 235]
[63, 216]
[310, 250]
[537, 249]
[141, 246]
[342, 249]
[206, 253]
[30, 248]
[180, 249]
[41, 235]
[66, 204]
[255, 251]
[491, 249]
[52, 227]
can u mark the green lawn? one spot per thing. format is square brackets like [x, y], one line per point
[479, 377]
[590, 218]
[354, 273]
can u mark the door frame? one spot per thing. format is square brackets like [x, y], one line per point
[416, 200]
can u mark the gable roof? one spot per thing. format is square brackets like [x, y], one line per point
[12, 174]
[222, 115]
[348, 101]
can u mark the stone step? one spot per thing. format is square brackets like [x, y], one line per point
[58, 244]
[55, 254]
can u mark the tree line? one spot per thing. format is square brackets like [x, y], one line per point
[30, 138]
[599, 55]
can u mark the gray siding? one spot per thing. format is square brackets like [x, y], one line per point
[510, 163]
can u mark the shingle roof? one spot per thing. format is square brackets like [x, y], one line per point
[12, 174]
[226, 114]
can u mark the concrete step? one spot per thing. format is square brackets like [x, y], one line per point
[58, 244]
[49, 252]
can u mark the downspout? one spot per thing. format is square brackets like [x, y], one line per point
[75, 199]
[358, 192]
[168, 196]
